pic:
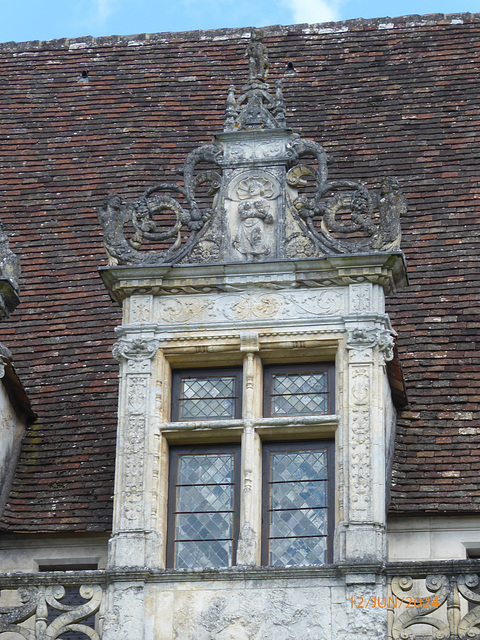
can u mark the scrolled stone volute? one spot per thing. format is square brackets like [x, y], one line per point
[270, 199]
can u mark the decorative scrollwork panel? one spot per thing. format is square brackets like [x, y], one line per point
[47, 612]
[439, 607]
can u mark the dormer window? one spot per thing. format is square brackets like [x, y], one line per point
[205, 480]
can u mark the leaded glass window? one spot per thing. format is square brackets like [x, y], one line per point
[293, 390]
[206, 395]
[297, 495]
[203, 506]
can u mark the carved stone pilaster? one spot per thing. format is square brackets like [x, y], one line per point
[136, 400]
[360, 443]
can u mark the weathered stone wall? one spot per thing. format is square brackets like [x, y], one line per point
[12, 429]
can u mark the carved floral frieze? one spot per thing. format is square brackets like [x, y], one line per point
[253, 306]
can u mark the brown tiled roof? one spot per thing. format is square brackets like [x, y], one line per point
[386, 97]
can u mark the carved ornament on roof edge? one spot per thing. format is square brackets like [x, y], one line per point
[270, 198]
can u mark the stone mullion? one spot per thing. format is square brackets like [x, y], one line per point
[248, 551]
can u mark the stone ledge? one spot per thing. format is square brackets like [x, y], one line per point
[386, 269]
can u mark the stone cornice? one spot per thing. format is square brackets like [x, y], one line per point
[386, 269]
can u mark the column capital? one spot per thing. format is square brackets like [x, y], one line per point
[136, 349]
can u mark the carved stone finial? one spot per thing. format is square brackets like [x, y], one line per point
[230, 111]
[257, 54]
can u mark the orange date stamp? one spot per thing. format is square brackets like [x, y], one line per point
[392, 602]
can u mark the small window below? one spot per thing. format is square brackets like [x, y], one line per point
[297, 499]
[203, 506]
[210, 394]
[68, 567]
[294, 390]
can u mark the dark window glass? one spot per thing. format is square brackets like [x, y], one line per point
[203, 499]
[294, 390]
[297, 497]
[206, 394]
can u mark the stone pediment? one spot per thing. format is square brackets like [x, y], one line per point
[268, 198]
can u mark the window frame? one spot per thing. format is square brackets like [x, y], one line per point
[175, 453]
[215, 372]
[314, 367]
[297, 445]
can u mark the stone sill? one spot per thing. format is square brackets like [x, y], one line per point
[239, 574]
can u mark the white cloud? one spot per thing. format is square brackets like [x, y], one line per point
[95, 13]
[104, 9]
[313, 10]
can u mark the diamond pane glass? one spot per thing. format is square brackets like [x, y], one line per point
[208, 497]
[298, 551]
[208, 468]
[298, 495]
[299, 522]
[207, 408]
[299, 465]
[204, 526]
[204, 510]
[205, 398]
[299, 393]
[299, 383]
[202, 554]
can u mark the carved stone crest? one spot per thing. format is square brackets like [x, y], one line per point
[289, 207]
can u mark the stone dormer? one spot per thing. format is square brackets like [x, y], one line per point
[254, 337]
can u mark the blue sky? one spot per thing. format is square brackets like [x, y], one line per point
[47, 19]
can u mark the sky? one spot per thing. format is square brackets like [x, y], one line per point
[23, 20]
